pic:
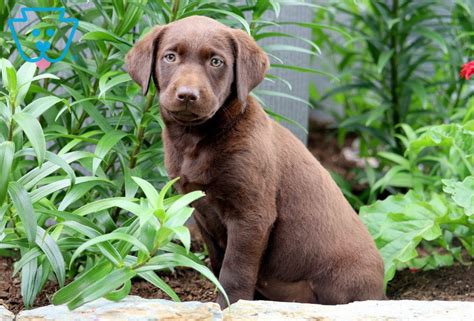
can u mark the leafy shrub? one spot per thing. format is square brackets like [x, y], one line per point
[433, 223]
[84, 195]
[53, 228]
[400, 67]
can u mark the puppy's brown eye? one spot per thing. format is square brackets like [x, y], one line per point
[170, 57]
[216, 62]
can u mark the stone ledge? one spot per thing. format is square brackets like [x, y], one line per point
[5, 315]
[136, 309]
[131, 308]
[356, 311]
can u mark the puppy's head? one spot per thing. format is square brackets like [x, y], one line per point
[197, 63]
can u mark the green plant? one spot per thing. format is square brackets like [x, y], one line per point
[433, 223]
[44, 215]
[400, 67]
[81, 155]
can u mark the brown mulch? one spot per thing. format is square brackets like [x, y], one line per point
[188, 284]
[323, 144]
[455, 283]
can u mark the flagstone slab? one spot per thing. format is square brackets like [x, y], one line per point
[6, 315]
[132, 308]
[406, 310]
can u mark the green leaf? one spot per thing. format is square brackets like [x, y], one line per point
[121, 293]
[462, 193]
[182, 233]
[398, 224]
[179, 218]
[25, 75]
[109, 237]
[7, 150]
[149, 190]
[38, 106]
[163, 192]
[53, 158]
[170, 259]
[290, 48]
[107, 203]
[104, 36]
[11, 83]
[73, 289]
[434, 36]
[22, 203]
[417, 87]
[397, 159]
[34, 132]
[184, 201]
[154, 279]
[76, 193]
[29, 282]
[53, 254]
[281, 94]
[105, 144]
[224, 12]
[305, 70]
[383, 59]
[48, 189]
[101, 287]
[25, 258]
[105, 84]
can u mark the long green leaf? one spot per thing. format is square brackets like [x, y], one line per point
[22, 202]
[87, 278]
[53, 254]
[32, 128]
[103, 286]
[110, 237]
[7, 150]
[105, 144]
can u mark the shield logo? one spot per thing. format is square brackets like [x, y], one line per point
[43, 35]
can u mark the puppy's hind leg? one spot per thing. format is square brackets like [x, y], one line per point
[348, 287]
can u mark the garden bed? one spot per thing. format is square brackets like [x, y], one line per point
[451, 283]
[455, 283]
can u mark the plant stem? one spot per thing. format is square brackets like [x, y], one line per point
[12, 123]
[394, 84]
[174, 10]
[141, 131]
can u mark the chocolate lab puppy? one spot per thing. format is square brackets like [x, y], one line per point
[275, 223]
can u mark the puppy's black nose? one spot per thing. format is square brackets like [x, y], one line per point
[186, 94]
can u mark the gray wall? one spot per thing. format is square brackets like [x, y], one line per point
[294, 110]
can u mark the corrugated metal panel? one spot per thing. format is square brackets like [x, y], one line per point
[294, 110]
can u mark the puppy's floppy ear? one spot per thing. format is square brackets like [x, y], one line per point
[140, 60]
[251, 64]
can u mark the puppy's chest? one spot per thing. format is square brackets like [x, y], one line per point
[192, 164]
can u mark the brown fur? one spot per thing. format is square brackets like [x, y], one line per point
[275, 223]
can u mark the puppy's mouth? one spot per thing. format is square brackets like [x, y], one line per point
[187, 117]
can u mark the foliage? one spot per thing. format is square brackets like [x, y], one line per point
[433, 223]
[84, 195]
[400, 67]
[402, 95]
[49, 214]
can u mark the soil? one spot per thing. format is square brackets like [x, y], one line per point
[452, 283]
[323, 144]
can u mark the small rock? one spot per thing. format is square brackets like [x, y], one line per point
[131, 308]
[406, 310]
[5, 315]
